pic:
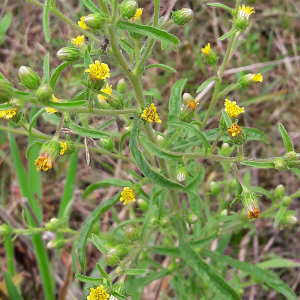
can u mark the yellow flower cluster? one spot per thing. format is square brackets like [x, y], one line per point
[43, 162]
[245, 12]
[98, 294]
[192, 104]
[98, 71]
[64, 147]
[8, 114]
[82, 24]
[107, 90]
[206, 50]
[257, 77]
[137, 15]
[50, 110]
[127, 195]
[150, 114]
[232, 109]
[79, 41]
[234, 129]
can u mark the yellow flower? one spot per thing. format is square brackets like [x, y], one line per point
[248, 79]
[50, 110]
[245, 12]
[137, 15]
[257, 77]
[82, 24]
[127, 195]
[206, 50]
[79, 41]
[98, 294]
[8, 114]
[150, 114]
[43, 162]
[107, 90]
[234, 129]
[98, 71]
[64, 147]
[192, 104]
[232, 109]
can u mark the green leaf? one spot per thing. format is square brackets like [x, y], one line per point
[166, 251]
[126, 46]
[203, 270]
[91, 6]
[102, 272]
[46, 68]
[226, 118]
[46, 26]
[105, 183]
[279, 215]
[4, 25]
[194, 131]
[106, 124]
[278, 263]
[228, 34]
[148, 218]
[89, 279]
[159, 152]
[124, 136]
[57, 72]
[11, 289]
[216, 4]
[32, 121]
[66, 105]
[118, 296]
[143, 164]
[161, 66]
[295, 171]
[205, 84]
[175, 104]
[97, 242]
[198, 179]
[87, 132]
[149, 31]
[286, 139]
[255, 271]
[21, 95]
[135, 272]
[5, 106]
[257, 164]
[89, 223]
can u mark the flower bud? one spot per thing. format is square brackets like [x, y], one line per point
[224, 212]
[172, 267]
[131, 234]
[128, 9]
[248, 79]
[122, 86]
[29, 78]
[107, 143]
[209, 55]
[244, 13]
[192, 218]
[143, 205]
[119, 271]
[237, 135]
[136, 19]
[289, 219]
[154, 221]
[222, 123]
[250, 202]
[226, 149]
[182, 16]
[95, 21]
[122, 251]
[280, 164]
[164, 222]
[56, 244]
[6, 91]
[44, 93]
[214, 188]
[291, 159]
[68, 53]
[186, 97]
[232, 184]
[279, 191]
[67, 147]
[286, 201]
[5, 230]
[112, 257]
[52, 224]
[188, 111]
[181, 173]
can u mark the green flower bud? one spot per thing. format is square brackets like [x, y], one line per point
[128, 8]
[250, 202]
[131, 234]
[279, 191]
[107, 143]
[172, 267]
[68, 53]
[143, 205]
[119, 271]
[280, 164]
[122, 86]
[5, 230]
[181, 173]
[232, 184]
[154, 221]
[214, 188]
[291, 159]
[112, 257]
[222, 123]
[237, 135]
[286, 201]
[224, 212]
[29, 78]
[56, 244]
[164, 222]
[182, 16]
[52, 224]
[192, 218]
[186, 97]
[209, 55]
[248, 79]
[161, 140]
[188, 111]
[122, 250]
[44, 93]
[67, 147]
[6, 91]
[95, 21]
[226, 149]
[289, 219]
[244, 13]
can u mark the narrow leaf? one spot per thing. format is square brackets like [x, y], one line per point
[89, 279]
[205, 84]
[286, 139]
[228, 34]
[295, 171]
[227, 118]
[32, 121]
[66, 105]
[198, 179]
[11, 289]
[46, 26]
[102, 272]
[126, 46]
[161, 66]
[135, 272]
[4, 25]
[87, 132]
[260, 165]
[148, 218]
[97, 242]
[57, 72]
[5, 106]
[46, 68]
[91, 6]
[216, 4]
[279, 215]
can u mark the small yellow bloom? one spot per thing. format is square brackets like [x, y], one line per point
[98, 294]
[50, 110]
[64, 147]
[245, 12]
[257, 77]
[127, 195]
[8, 114]
[43, 162]
[232, 109]
[150, 114]
[234, 129]
[192, 104]
[107, 90]
[137, 15]
[79, 41]
[82, 24]
[206, 50]
[98, 71]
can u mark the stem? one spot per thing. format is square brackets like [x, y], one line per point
[9, 250]
[240, 152]
[136, 50]
[225, 191]
[60, 126]
[238, 176]
[103, 112]
[216, 141]
[173, 138]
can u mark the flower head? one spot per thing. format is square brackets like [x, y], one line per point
[150, 114]
[98, 294]
[206, 50]
[249, 200]
[43, 162]
[234, 129]
[192, 104]
[107, 90]
[209, 55]
[78, 41]
[8, 114]
[127, 195]
[248, 79]
[237, 135]
[63, 147]
[50, 110]
[98, 71]
[257, 77]
[245, 12]
[137, 15]
[48, 155]
[82, 24]
[232, 109]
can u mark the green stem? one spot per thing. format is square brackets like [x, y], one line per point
[173, 138]
[216, 141]
[136, 49]
[9, 250]
[221, 206]
[238, 176]
[103, 112]
[265, 213]
[60, 126]
[240, 151]
[103, 7]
